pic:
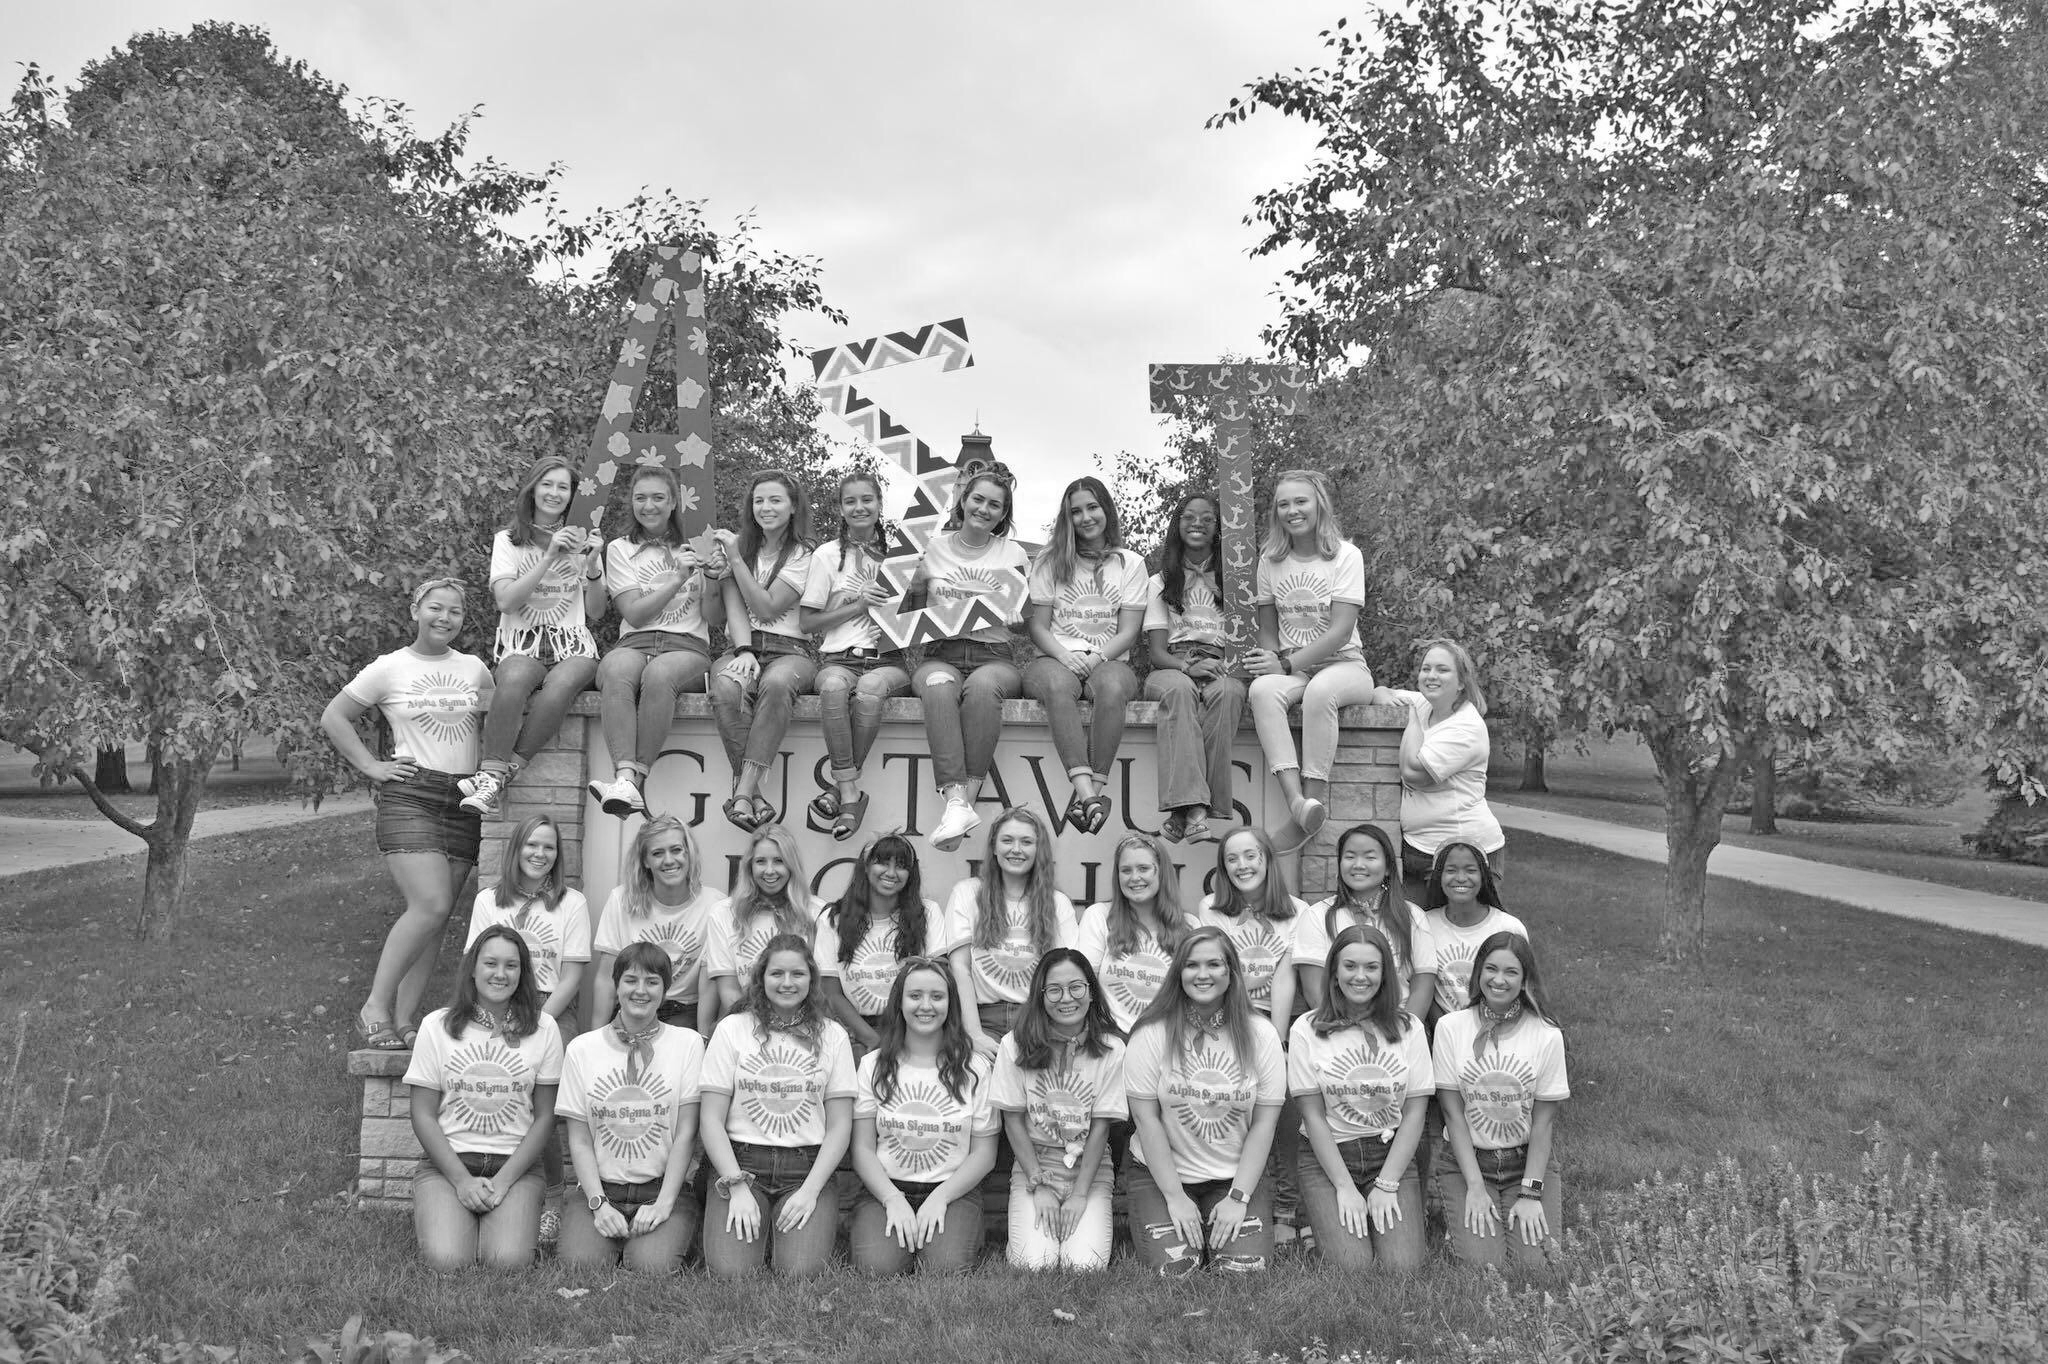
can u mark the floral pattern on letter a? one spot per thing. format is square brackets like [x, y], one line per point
[1211, 1095]
[487, 1088]
[780, 1086]
[1499, 1090]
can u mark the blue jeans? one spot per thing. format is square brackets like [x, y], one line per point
[1501, 1171]
[950, 1252]
[752, 721]
[453, 1237]
[515, 725]
[963, 684]
[1197, 727]
[656, 1252]
[778, 1172]
[850, 696]
[1161, 1248]
[638, 683]
[1089, 748]
[1401, 1246]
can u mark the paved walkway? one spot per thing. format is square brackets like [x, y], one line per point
[1974, 911]
[37, 844]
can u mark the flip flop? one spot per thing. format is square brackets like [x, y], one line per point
[825, 805]
[739, 811]
[849, 816]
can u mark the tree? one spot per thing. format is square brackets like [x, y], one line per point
[255, 381]
[1741, 417]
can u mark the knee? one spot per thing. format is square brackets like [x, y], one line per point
[1112, 686]
[517, 675]
[618, 670]
[835, 685]
[1270, 690]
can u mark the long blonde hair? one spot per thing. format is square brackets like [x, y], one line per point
[1329, 532]
[788, 907]
[1041, 911]
[640, 877]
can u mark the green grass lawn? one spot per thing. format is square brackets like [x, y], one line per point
[233, 1119]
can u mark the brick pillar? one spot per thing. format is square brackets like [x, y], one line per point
[551, 784]
[386, 1149]
[1365, 786]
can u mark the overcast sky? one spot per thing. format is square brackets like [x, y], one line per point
[1039, 169]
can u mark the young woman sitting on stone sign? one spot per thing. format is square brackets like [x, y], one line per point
[433, 696]
[773, 899]
[483, 1078]
[881, 920]
[1200, 702]
[777, 1110]
[1311, 587]
[1368, 893]
[964, 680]
[662, 900]
[998, 924]
[1088, 597]
[924, 1134]
[755, 686]
[664, 646]
[1500, 1076]
[1059, 1083]
[1444, 754]
[858, 670]
[629, 1093]
[548, 578]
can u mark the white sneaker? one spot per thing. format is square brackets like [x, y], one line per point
[465, 785]
[619, 797]
[955, 824]
[487, 787]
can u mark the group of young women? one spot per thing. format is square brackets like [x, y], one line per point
[1185, 1052]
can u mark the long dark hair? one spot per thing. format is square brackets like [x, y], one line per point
[852, 912]
[1033, 1029]
[1382, 1016]
[1274, 903]
[1062, 553]
[522, 1011]
[1532, 981]
[956, 1050]
[847, 544]
[1170, 1008]
[810, 1016]
[1433, 896]
[522, 531]
[672, 531]
[1173, 556]
[798, 535]
[1387, 911]
[1041, 910]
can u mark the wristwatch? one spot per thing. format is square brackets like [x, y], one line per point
[1237, 1195]
[1532, 1188]
[597, 1200]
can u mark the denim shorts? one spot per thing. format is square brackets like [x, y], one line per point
[423, 814]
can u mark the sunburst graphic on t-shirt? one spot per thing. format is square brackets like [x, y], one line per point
[922, 1125]
[1454, 975]
[1008, 965]
[1085, 613]
[1498, 1089]
[1260, 950]
[868, 977]
[558, 594]
[968, 582]
[1302, 601]
[1199, 608]
[1212, 1099]
[487, 1087]
[778, 1087]
[631, 1120]
[1133, 980]
[1367, 1087]
[748, 949]
[543, 937]
[688, 598]
[1059, 1109]
[683, 940]
[442, 703]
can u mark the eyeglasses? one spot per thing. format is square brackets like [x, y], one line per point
[909, 964]
[1078, 990]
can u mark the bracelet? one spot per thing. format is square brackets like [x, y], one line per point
[727, 1183]
[747, 649]
[1287, 664]
[1384, 1187]
[1528, 1196]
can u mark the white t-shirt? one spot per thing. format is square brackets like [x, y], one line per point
[1457, 749]
[1002, 973]
[1128, 982]
[730, 953]
[1263, 949]
[1085, 609]
[632, 1118]
[868, 977]
[1201, 618]
[922, 1132]
[778, 1086]
[1312, 940]
[796, 571]
[1363, 1087]
[630, 567]
[435, 706]
[550, 623]
[679, 929]
[1206, 1100]
[552, 936]
[1303, 591]
[994, 574]
[1500, 1089]
[832, 572]
[1455, 949]
[1061, 1102]
[486, 1083]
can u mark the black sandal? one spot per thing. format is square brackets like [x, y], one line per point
[739, 812]
[1094, 813]
[825, 806]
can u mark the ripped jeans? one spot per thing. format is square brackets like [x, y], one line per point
[1161, 1248]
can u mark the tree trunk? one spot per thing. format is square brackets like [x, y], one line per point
[1533, 776]
[110, 770]
[1695, 798]
[1763, 785]
[179, 785]
[155, 756]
